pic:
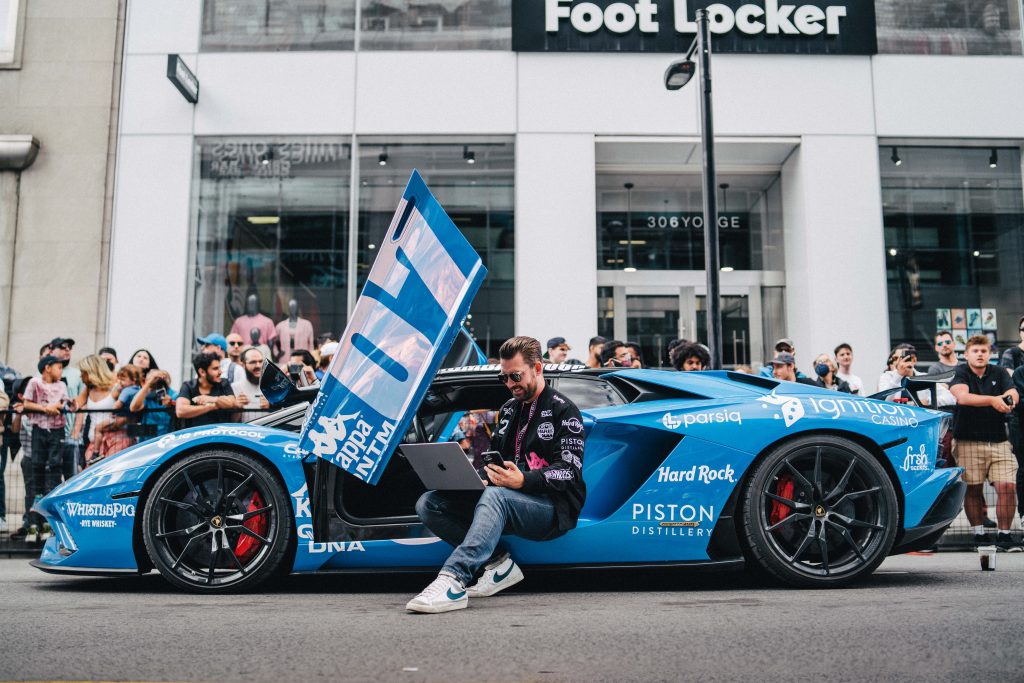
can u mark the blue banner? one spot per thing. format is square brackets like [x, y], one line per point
[411, 308]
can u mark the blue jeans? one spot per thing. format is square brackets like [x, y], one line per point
[473, 523]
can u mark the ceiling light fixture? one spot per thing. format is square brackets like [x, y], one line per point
[896, 157]
[382, 158]
[469, 156]
[993, 158]
[264, 220]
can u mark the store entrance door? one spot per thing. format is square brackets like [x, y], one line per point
[654, 316]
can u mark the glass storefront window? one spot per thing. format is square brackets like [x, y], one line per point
[272, 227]
[954, 240]
[252, 25]
[952, 27]
[436, 25]
[656, 222]
[474, 181]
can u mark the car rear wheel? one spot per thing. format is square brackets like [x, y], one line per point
[819, 511]
[217, 521]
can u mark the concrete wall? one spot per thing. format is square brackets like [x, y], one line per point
[62, 95]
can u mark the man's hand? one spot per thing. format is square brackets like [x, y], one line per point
[242, 399]
[264, 403]
[52, 409]
[509, 476]
[999, 404]
[228, 402]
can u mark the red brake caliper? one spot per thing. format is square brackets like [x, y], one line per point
[247, 546]
[783, 489]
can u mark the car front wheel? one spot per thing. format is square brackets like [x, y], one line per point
[217, 521]
[820, 511]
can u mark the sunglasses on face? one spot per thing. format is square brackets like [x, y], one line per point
[944, 342]
[514, 376]
[234, 343]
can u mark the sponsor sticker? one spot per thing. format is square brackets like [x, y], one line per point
[573, 424]
[558, 475]
[722, 416]
[99, 509]
[700, 473]
[670, 519]
[546, 431]
[915, 462]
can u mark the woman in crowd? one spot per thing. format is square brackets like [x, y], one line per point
[112, 434]
[95, 397]
[155, 400]
[143, 360]
[825, 370]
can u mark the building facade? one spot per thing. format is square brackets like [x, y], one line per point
[869, 168]
[60, 73]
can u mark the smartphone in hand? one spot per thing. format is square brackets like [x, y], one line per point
[493, 458]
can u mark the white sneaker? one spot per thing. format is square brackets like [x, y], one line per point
[444, 594]
[497, 576]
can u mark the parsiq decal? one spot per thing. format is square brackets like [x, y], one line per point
[701, 473]
[703, 418]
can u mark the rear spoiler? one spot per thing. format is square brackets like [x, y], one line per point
[916, 384]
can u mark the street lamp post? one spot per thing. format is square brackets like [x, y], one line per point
[677, 75]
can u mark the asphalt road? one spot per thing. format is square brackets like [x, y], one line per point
[928, 618]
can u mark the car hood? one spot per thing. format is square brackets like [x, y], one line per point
[409, 313]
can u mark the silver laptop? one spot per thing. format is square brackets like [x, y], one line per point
[442, 466]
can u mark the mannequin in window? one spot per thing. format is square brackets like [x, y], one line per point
[254, 337]
[253, 318]
[293, 333]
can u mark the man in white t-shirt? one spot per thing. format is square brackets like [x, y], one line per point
[844, 359]
[247, 386]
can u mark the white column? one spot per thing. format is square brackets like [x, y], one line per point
[835, 252]
[556, 238]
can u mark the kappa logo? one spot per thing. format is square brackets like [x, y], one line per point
[334, 432]
[574, 425]
[546, 431]
[302, 502]
[791, 408]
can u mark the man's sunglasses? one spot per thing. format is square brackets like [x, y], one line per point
[234, 343]
[514, 376]
[944, 342]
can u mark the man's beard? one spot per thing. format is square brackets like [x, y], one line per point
[531, 389]
[254, 379]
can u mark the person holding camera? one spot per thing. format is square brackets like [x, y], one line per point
[533, 487]
[901, 367]
[153, 400]
[985, 395]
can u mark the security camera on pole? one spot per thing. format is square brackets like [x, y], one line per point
[677, 75]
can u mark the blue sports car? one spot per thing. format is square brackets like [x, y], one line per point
[711, 468]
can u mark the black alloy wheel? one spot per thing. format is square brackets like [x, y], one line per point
[218, 521]
[820, 511]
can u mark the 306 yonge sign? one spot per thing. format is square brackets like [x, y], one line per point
[758, 26]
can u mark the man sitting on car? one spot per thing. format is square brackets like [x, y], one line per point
[537, 494]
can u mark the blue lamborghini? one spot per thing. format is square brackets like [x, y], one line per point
[719, 469]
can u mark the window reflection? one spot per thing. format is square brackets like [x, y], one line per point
[473, 178]
[436, 25]
[954, 240]
[953, 27]
[272, 224]
[656, 222]
[278, 25]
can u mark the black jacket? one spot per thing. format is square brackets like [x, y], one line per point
[550, 451]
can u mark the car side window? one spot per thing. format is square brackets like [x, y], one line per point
[589, 393]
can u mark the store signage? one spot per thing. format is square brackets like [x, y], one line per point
[259, 159]
[183, 79]
[753, 26]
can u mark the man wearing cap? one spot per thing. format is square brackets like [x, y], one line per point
[558, 350]
[594, 348]
[784, 345]
[213, 343]
[784, 368]
[60, 347]
[327, 352]
[46, 397]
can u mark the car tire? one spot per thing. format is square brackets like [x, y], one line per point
[819, 511]
[218, 521]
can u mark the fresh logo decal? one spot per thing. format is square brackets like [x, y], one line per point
[701, 473]
[915, 462]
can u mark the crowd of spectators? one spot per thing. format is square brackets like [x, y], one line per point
[69, 414]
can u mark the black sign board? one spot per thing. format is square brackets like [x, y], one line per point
[739, 26]
[183, 79]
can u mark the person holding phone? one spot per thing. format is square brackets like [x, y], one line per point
[534, 487]
[154, 400]
[901, 366]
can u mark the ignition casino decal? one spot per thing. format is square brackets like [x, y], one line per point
[751, 26]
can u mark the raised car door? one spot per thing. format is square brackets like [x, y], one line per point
[404, 322]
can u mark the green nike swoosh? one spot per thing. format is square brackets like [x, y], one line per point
[498, 578]
[455, 596]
